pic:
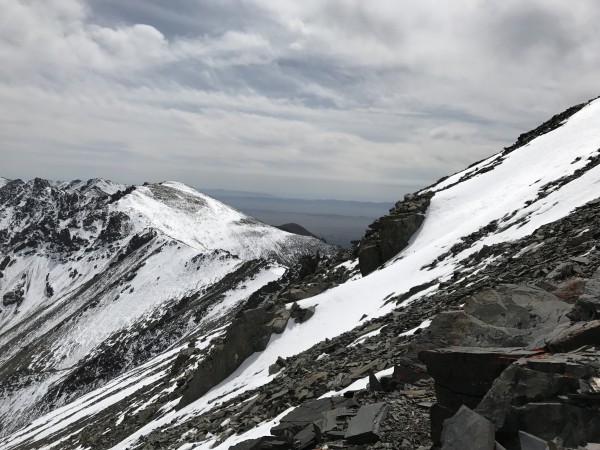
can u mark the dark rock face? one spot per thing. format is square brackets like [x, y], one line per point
[463, 375]
[547, 396]
[390, 234]
[525, 389]
[249, 333]
[17, 294]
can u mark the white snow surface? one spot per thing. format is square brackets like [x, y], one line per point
[177, 211]
[454, 212]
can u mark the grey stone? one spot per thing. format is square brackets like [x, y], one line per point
[364, 427]
[374, 383]
[264, 443]
[561, 271]
[507, 316]
[572, 337]
[467, 430]
[587, 307]
[279, 323]
[531, 442]
[307, 413]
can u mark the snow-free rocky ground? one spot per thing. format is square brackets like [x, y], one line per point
[105, 325]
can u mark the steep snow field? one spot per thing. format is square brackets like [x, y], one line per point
[507, 194]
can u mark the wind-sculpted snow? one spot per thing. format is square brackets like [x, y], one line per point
[503, 198]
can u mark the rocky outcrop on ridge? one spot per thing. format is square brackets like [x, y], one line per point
[390, 234]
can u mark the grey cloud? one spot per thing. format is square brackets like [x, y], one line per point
[341, 99]
[187, 18]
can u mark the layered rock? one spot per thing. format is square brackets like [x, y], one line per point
[390, 234]
[532, 393]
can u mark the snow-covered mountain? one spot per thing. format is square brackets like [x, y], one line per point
[97, 277]
[470, 230]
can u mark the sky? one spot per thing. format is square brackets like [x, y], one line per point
[342, 99]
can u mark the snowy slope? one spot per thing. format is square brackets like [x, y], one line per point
[174, 209]
[91, 265]
[508, 194]
[516, 191]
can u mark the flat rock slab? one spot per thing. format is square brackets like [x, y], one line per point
[467, 430]
[570, 338]
[531, 442]
[264, 443]
[364, 427]
[307, 413]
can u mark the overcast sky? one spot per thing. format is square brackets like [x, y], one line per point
[340, 99]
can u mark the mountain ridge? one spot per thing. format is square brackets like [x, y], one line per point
[526, 215]
[98, 256]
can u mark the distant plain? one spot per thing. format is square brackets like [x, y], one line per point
[337, 221]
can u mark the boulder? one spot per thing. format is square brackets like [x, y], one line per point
[548, 396]
[463, 375]
[264, 443]
[572, 337]
[470, 370]
[467, 430]
[507, 316]
[280, 321]
[301, 315]
[369, 257]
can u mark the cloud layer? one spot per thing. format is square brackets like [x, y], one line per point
[343, 99]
